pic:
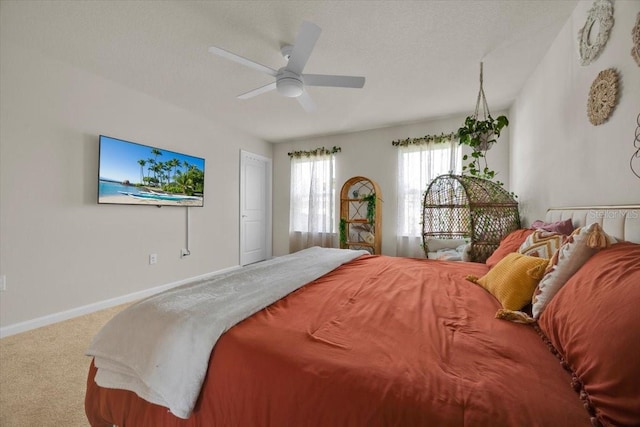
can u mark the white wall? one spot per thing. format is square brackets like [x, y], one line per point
[370, 154]
[558, 158]
[60, 250]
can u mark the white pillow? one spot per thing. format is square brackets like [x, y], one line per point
[461, 253]
[577, 249]
[435, 245]
[448, 255]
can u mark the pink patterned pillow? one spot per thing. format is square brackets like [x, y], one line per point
[563, 227]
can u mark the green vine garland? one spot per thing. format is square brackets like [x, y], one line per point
[320, 151]
[436, 139]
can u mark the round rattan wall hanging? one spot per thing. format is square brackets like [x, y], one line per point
[603, 96]
[601, 13]
[635, 34]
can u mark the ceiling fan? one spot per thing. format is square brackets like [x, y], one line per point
[290, 81]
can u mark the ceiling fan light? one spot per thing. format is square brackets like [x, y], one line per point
[289, 87]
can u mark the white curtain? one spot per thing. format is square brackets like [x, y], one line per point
[312, 201]
[418, 164]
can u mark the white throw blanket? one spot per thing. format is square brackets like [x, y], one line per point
[159, 348]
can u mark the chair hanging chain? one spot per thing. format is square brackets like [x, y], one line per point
[481, 95]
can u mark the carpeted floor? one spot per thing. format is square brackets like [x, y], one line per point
[43, 373]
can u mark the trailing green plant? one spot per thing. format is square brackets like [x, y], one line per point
[343, 232]
[371, 207]
[480, 135]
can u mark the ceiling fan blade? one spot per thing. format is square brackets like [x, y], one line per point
[305, 41]
[333, 81]
[241, 60]
[258, 91]
[307, 103]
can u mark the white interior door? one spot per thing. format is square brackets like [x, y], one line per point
[255, 208]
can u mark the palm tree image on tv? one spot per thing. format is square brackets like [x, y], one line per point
[146, 175]
[172, 176]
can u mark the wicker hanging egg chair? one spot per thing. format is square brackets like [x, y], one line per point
[466, 207]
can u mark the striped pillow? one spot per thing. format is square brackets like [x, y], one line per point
[541, 244]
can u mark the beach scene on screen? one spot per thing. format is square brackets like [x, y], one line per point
[131, 173]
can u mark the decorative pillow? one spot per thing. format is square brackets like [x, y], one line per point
[542, 244]
[458, 254]
[563, 227]
[509, 244]
[577, 249]
[593, 324]
[447, 255]
[513, 280]
[435, 245]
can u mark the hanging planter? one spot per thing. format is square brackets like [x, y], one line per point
[480, 134]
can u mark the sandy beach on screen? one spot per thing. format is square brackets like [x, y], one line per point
[122, 199]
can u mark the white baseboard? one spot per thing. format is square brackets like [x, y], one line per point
[28, 325]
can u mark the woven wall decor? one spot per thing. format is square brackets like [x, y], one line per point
[635, 157]
[601, 12]
[635, 34]
[603, 96]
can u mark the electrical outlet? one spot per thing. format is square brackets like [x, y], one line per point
[3, 283]
[153, 259]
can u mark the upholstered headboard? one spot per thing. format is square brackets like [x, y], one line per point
[622, 222]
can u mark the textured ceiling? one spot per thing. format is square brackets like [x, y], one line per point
[420, 58]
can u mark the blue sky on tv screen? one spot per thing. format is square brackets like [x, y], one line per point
[119, 159]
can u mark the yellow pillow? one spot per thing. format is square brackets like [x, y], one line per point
[514, 279]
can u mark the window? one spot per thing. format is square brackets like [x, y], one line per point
[418, 164]
[312, 202]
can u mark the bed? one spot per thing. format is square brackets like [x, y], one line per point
[385, 341]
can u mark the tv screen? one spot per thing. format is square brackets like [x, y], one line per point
[136, 174]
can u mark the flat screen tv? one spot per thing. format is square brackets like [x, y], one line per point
[136, 174]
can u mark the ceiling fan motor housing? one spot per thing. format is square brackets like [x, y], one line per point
[286, 51]
[289, 84]
[290, 80]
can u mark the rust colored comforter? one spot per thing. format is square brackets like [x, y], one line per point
[380, 341]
